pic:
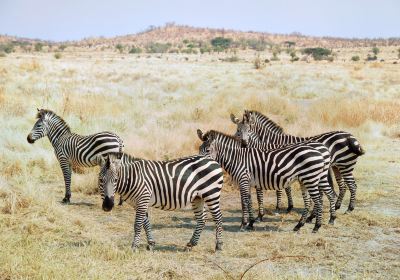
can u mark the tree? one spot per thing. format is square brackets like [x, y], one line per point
[375, 50]
[221, 43]
[38, 47]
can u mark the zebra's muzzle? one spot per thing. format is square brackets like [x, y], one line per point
[108, 203]
[30, 140]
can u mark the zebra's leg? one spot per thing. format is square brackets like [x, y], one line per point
[121, 201]
[351, 183]
[214, 207]
[260, 200]
[315, 194]
[307, 205]
[326, 184]
[200, 215]
[288, 191]
[278, 200]
[66, 170]
[141, 212]
[149, 234]
[342, 187]
[313, 212]
[251, 213]
[244, 187]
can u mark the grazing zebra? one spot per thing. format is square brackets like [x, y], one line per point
[168, 185]
[229, 141]
[72, 150]
[275, 169]
[344, 148]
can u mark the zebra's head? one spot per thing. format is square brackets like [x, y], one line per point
[108, 177]
[244, 127]
[40, 129]
[208, 147]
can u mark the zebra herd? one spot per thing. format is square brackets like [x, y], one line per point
[258, 155]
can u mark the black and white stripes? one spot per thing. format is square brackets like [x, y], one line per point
[72, 150]
[168, 185]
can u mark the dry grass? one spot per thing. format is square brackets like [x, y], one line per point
[156, 105]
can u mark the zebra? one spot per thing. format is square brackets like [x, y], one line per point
[275, 169]
[228, 140]
[168, 185]
[72, 150]
[344, 148]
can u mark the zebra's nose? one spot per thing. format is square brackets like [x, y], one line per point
[29, 139]
[108, 203]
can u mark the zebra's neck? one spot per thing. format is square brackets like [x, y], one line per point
[228, 158]
[56, 129]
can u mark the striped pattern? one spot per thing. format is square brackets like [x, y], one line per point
[168, 185]
[276, 169]
[344, 148]
[72, 150]
[229, 141]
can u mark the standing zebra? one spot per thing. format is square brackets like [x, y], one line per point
[169, 185]
[275, 169]
[72, 149]
[344, 148]
[230, 141]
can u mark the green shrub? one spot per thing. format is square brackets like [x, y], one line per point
[318, 53]
[61, 48]
[375, 50]
[38, 47]
[371, 58]
[135, 50]
[7, 48]
[157, 47]
[57, 55]
[257, 45]
[120, 48]
[221, 43]
[355, 58]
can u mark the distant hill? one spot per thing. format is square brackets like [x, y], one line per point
[176, 34]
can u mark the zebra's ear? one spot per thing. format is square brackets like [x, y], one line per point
[252, 119]
[200, 134]
[234, 119]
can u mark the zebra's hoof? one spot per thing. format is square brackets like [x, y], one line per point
[298, 227]
[316, 228]
[135, 249]
[120, 203]
[249, 227]
[332, 220]
[289, 209]
[259, 218]
[189, 247]
[66, 200]
[150, 246]
[218, 246]
[337, 206]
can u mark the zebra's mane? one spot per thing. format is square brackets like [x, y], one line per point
[42, 112]
[265, 118]
[123, 156]
[214, 134]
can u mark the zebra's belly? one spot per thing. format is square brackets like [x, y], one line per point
[168, 205]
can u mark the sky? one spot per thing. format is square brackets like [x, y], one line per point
[61, 20]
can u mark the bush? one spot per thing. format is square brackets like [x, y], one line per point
[318, 53]
[120, 48]
[221, 43]
[231, 59]
[371, 58]
[205, 49]
[398, 53]
[57, 55]
[135, 50]
[355, 58]
[258, 64]
[7, 48]
[38, 47]
[61, 48]
[257, 45]
[158, 47]
[293, 56]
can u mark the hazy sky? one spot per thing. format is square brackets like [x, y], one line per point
[76, 19]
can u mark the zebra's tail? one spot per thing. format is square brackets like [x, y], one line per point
[355, 146]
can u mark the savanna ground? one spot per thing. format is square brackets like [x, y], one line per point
[156, 103]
